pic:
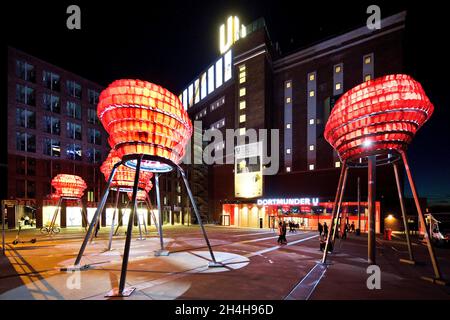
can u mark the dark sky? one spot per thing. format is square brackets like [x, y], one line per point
[170, 42]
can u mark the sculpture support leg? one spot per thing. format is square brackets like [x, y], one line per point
[138, 220]
[402, 207]
[126, 251]
[96, 215]
[333, 214]
[149, 205]
[371, 242]
[437, 272]
[116, 202]
[197, 214]
[359, 206]
[338, 215]
[158, 203]
[55, 215]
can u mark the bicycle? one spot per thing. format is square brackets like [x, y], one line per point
[50, 229]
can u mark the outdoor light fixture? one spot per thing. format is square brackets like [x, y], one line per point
[67, 187]
[372, 124]
[148, 129]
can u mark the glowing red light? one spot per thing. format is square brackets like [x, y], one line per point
[69, 186]
[144, 118]
[141, 194]
[378, 116]
[124, 176]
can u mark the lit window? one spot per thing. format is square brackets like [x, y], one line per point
[288, 84]
[288, 126]
[288, 151]
[219, 72]
[242, 92]
[242, 67]
[367, 77]
[210, 79]
[242, 105]
[311, 147]
[311, 167]
[367, 59]
[242, 79]
[197, 91]
[311, 121]
[228, 66]
[312, 93]
[337, 69]
[288, 169]
[241, 131]
[242, 118]
[312, 77]
[337, 164]
[288, 100]
[338, 86]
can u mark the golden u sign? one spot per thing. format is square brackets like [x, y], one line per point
[234, 31]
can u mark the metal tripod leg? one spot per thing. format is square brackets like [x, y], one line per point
[83, 215]
[116, 202]
[162, 251]
[94, 219]
[338, 216]
[371, 193]
[139, 224]
[437, 271]
[214, 263]
[405, 219]
[55, 215]
[149, 205]
[126, 251]
[333, 214]
[144, 223]
[120, 219]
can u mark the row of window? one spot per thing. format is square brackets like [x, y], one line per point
[213, 106]
[52, 147]
[26, 95]
[242, 101]
[52, 81]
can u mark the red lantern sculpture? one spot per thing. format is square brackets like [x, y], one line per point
[144, 118]
[141, 194]
[67, 187]
[372, 124]
[148, 129]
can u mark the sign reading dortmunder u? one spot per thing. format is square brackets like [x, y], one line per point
[288, 201]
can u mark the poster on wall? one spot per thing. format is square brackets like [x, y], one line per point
[248, 177]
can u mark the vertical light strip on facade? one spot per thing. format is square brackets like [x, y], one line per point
[338, 89]
[311, 136]
[288, 125]
[368, 67]
[242, 99]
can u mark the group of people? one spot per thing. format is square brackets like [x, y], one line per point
[323, 233]
[282, 229]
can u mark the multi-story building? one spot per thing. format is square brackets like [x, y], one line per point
[52, 128]
[252, 86]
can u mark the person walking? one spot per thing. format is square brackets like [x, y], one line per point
[320, 229]
[352, 227]
[325, 229]
[280, 233]
[284, 230]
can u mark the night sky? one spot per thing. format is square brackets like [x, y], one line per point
[171, 42]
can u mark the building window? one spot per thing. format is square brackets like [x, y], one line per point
[73, 89]
[25, 71]
[25, 118]
[51, 103]
[288, 84]
[74, 131]
[337, 69]
[288, 126]
[288, 100]
[197, 91]
[312, 77]
[368, 59]
[20, 165]
[73, 152]
[242, 131]
[338, 86]
[242, 74]
[242, 118]
[92, 116]
[73, 109]
[337, 164]
[31, 189]
[242, 92]
[179, 199]
[228, 64]
[311, 167]
[312, 93]
[311, 147]
[93, 96]
[219, 72]
[52, 125]
[288, 169]
[210, 80]
[25, 95]
[51, 81]
[242, 68]
[93, 155]
[216, 104]
[311, 121]
[288, 151]
[52, 147]
[367, 77]
[31, 167]
[25, 142]
[242, 105]
[219, 124]
[94, 136]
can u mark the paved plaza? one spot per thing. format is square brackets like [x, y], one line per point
[254, 267]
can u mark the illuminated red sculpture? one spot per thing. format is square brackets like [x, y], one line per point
[124, 176]
[69, 186]
[149, 130]
[144, 118]
[372, 124]
[141, 194]
[377, 116]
